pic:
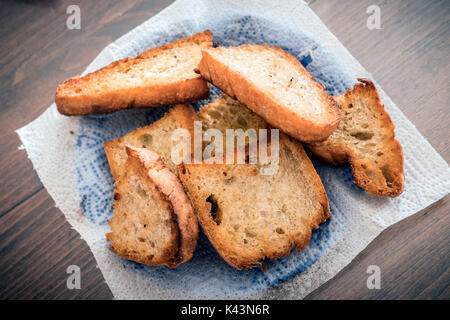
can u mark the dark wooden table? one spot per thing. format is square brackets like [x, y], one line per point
[409, 57]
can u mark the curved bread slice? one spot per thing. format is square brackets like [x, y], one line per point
[153, 221]
[157, 77]
[365, 138]
[273, 84]
[157, 137]
[249, 217]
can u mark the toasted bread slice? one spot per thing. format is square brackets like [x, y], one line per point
[248, 216]
[157, 137]
[365, 138]
[157, 77]
[273, 84]
[153, 221]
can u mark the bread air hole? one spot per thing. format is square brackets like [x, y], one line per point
[249, 233]
[362, 135]
[215, 115]
[146, 139]
[141, 191]
[242, 122]
[215, 212]
[387, 175]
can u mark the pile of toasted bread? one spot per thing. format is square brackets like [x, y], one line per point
[248, 216]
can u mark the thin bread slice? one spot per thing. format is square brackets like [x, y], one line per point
[365, 138]
[157, 77]
[154, 222]
[273, 84]
[248, 216]
[157, 137]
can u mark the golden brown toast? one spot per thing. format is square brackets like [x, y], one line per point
[274, 85]
[248, 216]
[365, 138]
[157, 77]
[154, 222]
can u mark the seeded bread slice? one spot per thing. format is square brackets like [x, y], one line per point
[249, 217]
[157, 77]
[153, 221]
[157, 137]
[273, 84]
[365, 138]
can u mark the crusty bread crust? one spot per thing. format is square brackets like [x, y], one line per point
[119, 246]
[237, 86]
[169, 185]
[183, 114]
[183, 241]
[229, 250]
[381, 177]
[154, 95]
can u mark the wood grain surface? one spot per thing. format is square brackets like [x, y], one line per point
[408, 57]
